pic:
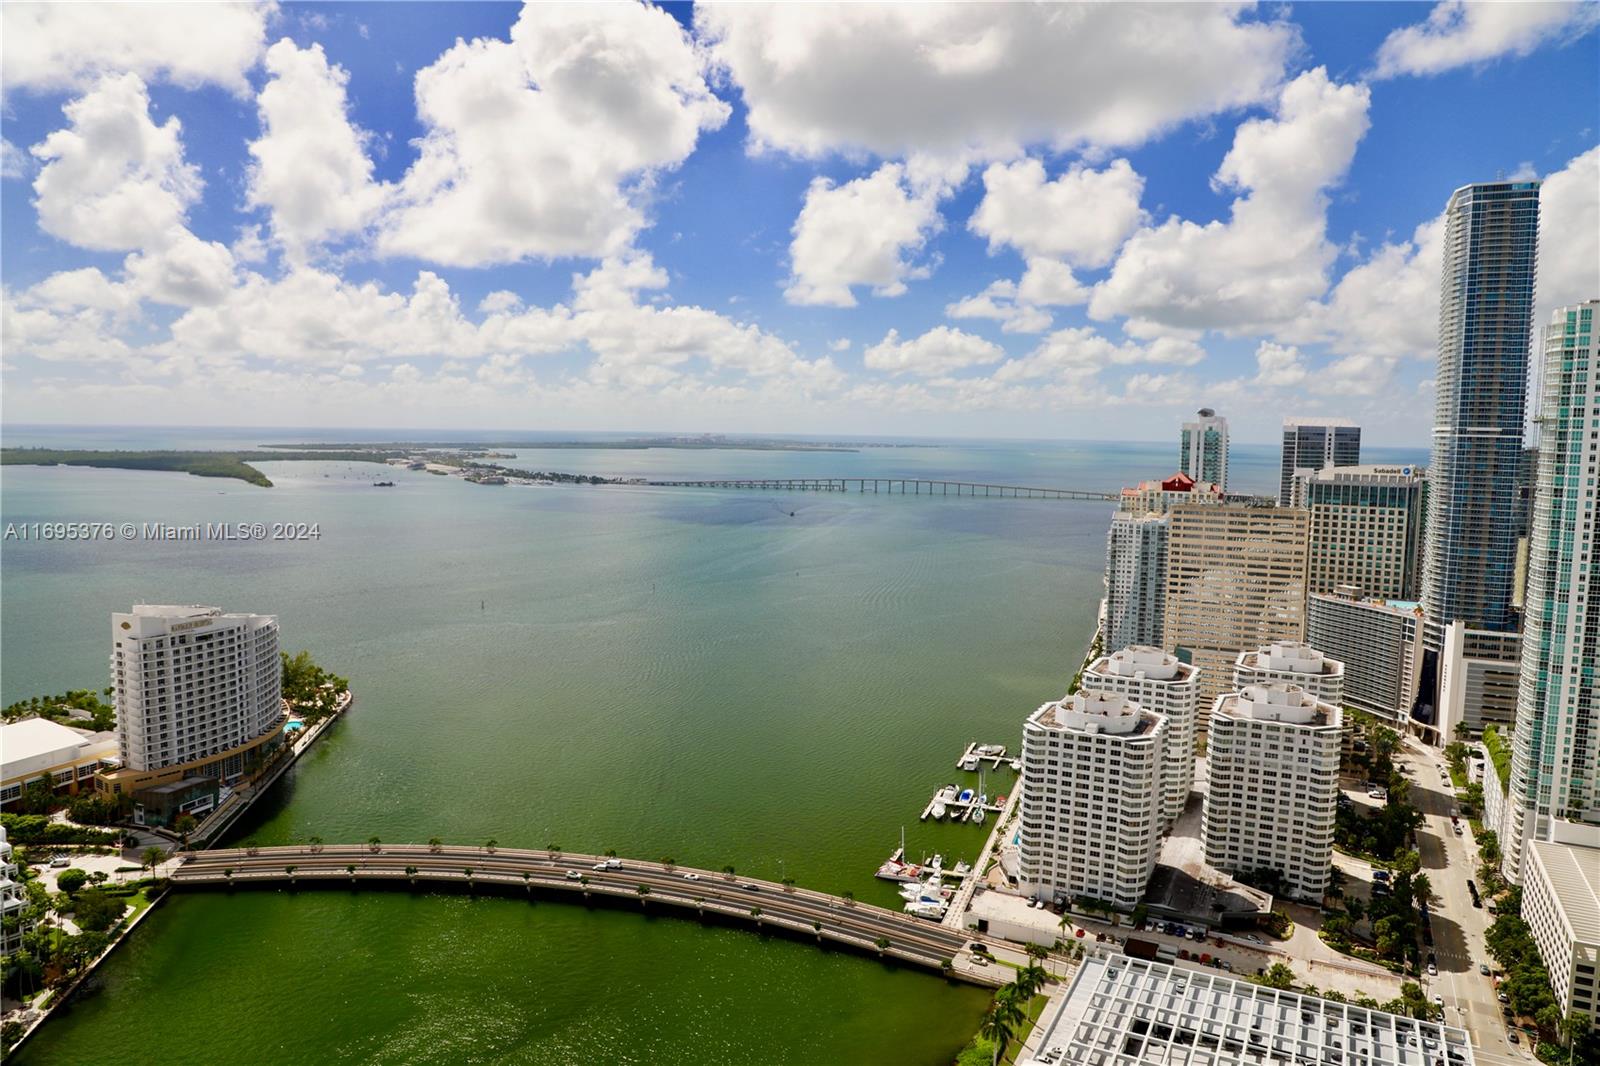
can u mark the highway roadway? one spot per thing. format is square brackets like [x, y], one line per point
[798, 910]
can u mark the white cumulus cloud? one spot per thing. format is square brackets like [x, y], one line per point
[1458, 34]
[1259, 268]
[859, 233]
[542, 146]
[895, 79]
[938, 351]
[69, 46]
[113, 179]
[1082, 216]
[310, 169]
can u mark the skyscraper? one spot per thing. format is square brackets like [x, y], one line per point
[1157, 682]
[1480, 396]
[1203, 448]
[1366, 528]
[1312, 444]
[1555, 764]
[1092, 768]
[197, 696]
[1486, 295]
[1236, 579]
[1136, 558]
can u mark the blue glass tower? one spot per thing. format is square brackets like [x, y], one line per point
[1481, 390]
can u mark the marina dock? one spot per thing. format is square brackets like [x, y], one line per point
[958, 811]
[978, 754]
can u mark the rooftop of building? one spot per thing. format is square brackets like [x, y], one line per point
[1142, 659]
[1120, 1011]
[1292, 657]
[1336, 423]
[1275, 702]
[1404, 473]
[1574, 876]
[1099, 713]
[33, 737]
[1352, 594]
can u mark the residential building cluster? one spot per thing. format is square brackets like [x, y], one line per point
[1441, 600]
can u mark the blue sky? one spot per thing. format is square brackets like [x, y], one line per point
[1017, 220]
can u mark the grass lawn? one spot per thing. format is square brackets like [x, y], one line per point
[1031, 1018]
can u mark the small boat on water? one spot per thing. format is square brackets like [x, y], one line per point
[990, 751]
[1016, 765]
[970, 763]
[977, 815]
[927, 908]
[939, 810]
[965, 797]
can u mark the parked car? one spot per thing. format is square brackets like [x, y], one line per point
[1511, 1035]
[1483, 969]
[1502, 997]
[1380, 875]
[1433, 971]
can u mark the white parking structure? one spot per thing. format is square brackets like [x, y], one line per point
[1121, 1012]
[1561, 904]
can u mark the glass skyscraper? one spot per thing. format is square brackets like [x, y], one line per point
[1312, 444]
[1480, 397]
[1555, 764]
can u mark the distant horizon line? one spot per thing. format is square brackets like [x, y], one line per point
[509, 434]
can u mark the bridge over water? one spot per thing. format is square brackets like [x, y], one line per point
[895, 485]
[761, 905]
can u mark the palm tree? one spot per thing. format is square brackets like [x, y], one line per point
[849, 898]
[728, 871]
[490, 844]
[1030, 979]
[610, 853]
[643, 891]
[755, 912]
[995, 1029]
[468, 872]
[788, 884]
[289, 870]
[228, 873]
[435, 845]
[1006, 1015]
[882, 944]
[669, 863]
[527, 881]
[411, 874]
[373, 844]
[316, 845]
[817, 928]
[351, 870]
[152, 858]
[553, 851]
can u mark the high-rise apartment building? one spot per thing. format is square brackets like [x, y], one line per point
[1091, 799]
[1160, 682]
[1561, 904]
[1314, 444]
[1236, 579]
[1555, 764]
[1486, 297]
[1136, 558]
[1292, 662]
[1366, 529]
[1480, 397]
[1273, 762]
[1380, 644]
[197, 694]
[1203, 448]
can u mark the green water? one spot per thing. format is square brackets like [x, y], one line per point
[663, 672]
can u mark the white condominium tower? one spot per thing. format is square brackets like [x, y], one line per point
[1555, 762]
[1091, 799]
[1292, 663]
[1157, 681]
[1203, 448]
[1273, 762]
[1136, 558]
[1311, 444]
[1236, 579]
[197, 693]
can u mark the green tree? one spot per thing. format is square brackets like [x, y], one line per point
[1277, 976]
[183, 825]
[374, 844]
[152, 857]
[70, 880]
[490, 845]
[95, 911]
[435, 845]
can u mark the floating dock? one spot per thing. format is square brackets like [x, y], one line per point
[993, 754]
[959, 811]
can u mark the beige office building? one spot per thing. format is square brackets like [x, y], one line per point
[1236, 580]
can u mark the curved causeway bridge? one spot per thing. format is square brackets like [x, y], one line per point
[895, 485]
[756, 903]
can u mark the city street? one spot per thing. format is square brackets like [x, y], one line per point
[1458, 926]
